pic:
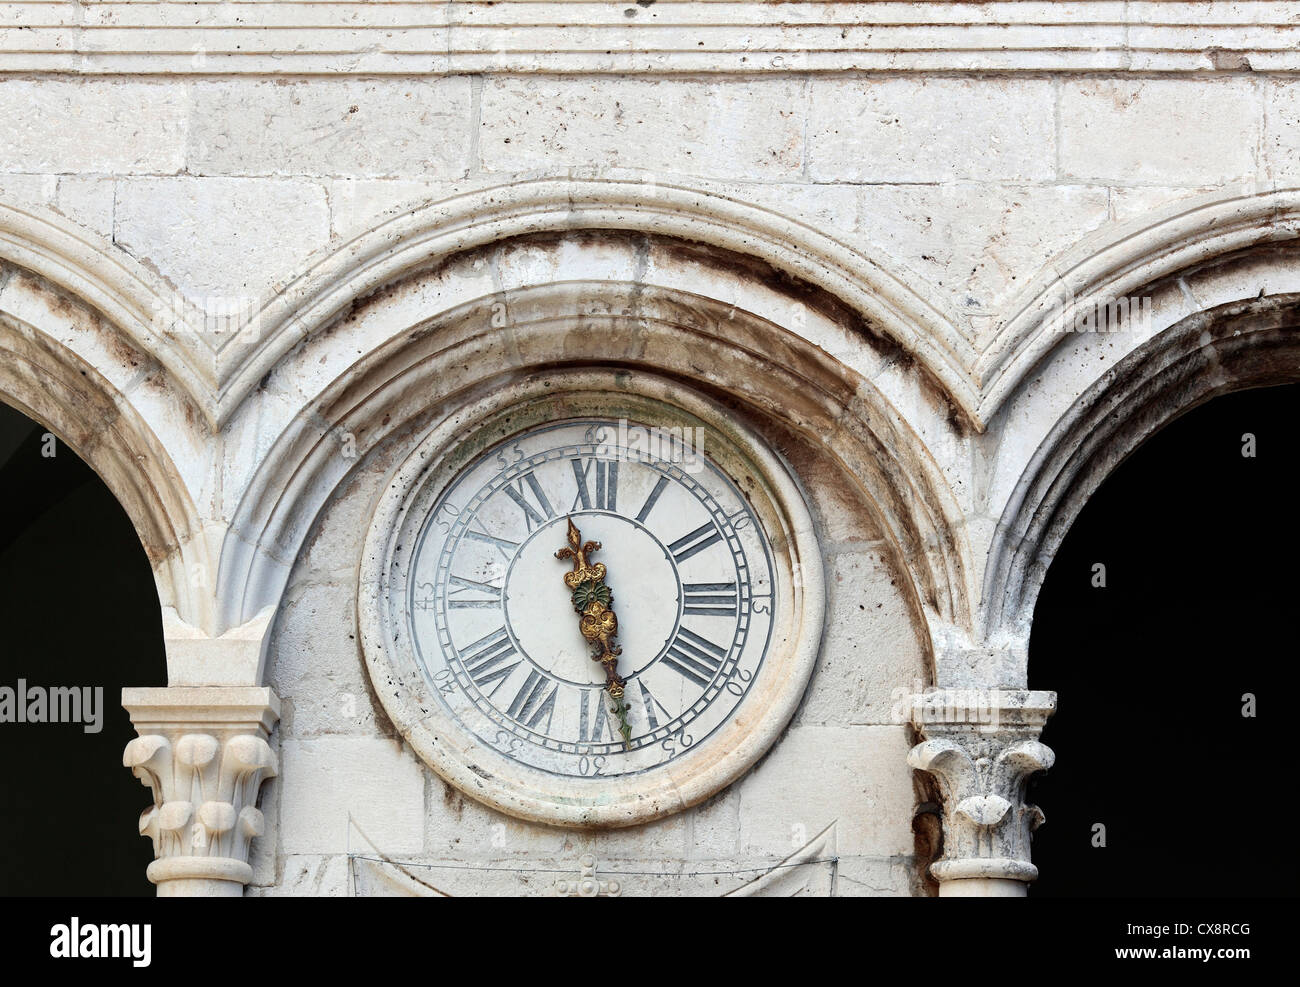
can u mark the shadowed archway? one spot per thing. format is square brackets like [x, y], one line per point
[78, 608]
[1199, 544]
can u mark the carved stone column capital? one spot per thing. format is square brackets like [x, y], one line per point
[204, 753]
[982, 746]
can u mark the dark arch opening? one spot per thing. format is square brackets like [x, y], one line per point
[78, 608]
[1200, 544]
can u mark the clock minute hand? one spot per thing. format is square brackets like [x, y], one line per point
[593, 601]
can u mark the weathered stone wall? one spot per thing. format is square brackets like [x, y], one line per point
[969, 184]
[903, 193]
[840, 766]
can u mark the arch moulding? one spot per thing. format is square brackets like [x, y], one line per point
[1122, 261]
[1254, 342]
[438, 367]
[889, 304]
[81, 375]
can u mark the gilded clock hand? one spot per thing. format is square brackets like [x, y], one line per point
[593, 602]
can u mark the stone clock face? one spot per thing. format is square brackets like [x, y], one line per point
[689, 565]
[470, 632]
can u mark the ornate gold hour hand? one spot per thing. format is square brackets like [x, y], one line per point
[594, 603]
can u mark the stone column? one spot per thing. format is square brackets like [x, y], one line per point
[982, 746]
[204, 752]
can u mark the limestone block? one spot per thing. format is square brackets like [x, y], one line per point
[1282, 133]
[855, 777]
[308, 875]
[377, 783]
[665, 840]
[715, 827]
[459, 828]
[222, 237]
[315, 662]
[234, 658]
[875, 877]
[722, 129]
[88, 201]
[1132, 203]
[359, 204]
[825, 207]
[871, 653]
[406, 127]
[943, 130]
[97, 126]
[978, 243]
[1159, 131]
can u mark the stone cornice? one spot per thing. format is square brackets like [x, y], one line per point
[274, 37]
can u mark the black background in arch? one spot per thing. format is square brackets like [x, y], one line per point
[1200, 607]
[78, 607]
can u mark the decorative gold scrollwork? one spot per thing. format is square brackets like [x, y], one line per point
[593, 601]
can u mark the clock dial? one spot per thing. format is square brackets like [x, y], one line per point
[481, 650]
[492, 624]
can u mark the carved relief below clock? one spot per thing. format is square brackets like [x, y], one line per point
[480, 643]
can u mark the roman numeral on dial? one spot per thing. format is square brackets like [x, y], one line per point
[695, 657]
[652, 707]
[695, 542]
[651, 500]
[537, 509]
[480, 595]
[486, 660]
[716, 599]
[606, 484]
[593, 719]
[506, 547]
[534, 700]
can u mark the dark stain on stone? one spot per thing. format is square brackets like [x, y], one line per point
[1224, 60]
[927, 828]
[453, 799]
[383, 725]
